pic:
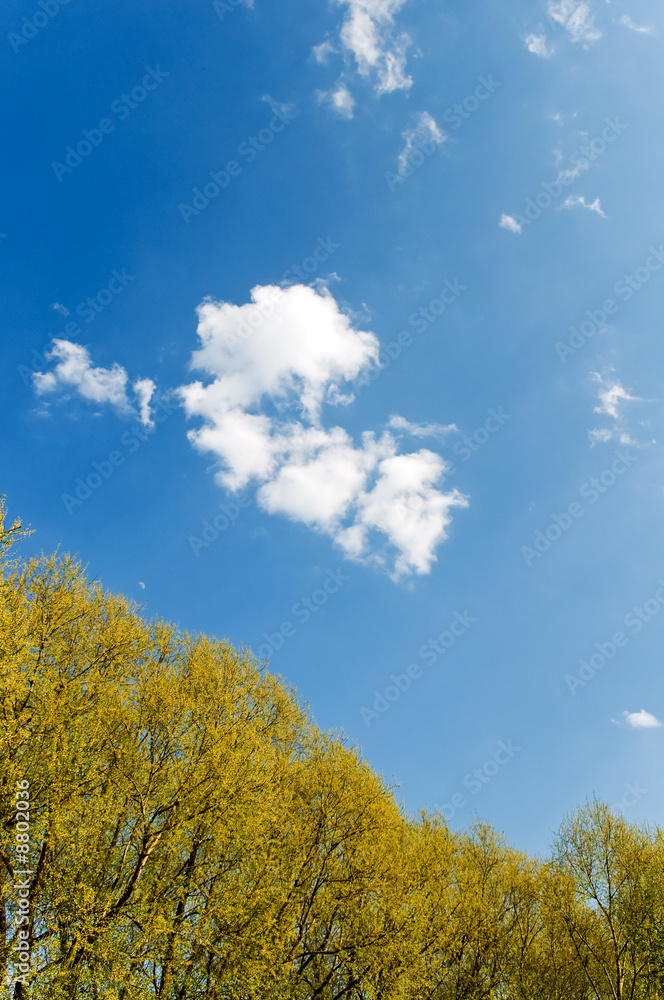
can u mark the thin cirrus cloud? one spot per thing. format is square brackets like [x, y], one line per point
[73, 371]
[627, 22]
[274, 367]
[424, 132]
[579, 201]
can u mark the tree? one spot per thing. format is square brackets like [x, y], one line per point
[609, 894]
[194, 836]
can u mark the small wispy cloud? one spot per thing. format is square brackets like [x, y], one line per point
[73, 371]
[398, 423]
[144, 389]
[509, 222]
[641, 720]
[627, 22]
[611, 395]
[369, 34]
[285, 107]
[537, 45]
[600, 435]
[58, 306]
[612, 399]
[339, 99]
[577, 19]
[423, 133]
[323, 52]
[579, 201]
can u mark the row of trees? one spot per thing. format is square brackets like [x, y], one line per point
[194, 835]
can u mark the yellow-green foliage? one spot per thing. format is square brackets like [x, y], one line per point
[194, 835]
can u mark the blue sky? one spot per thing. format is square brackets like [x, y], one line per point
[336, 331]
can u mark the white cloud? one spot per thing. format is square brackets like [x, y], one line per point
[74, 371]
[576, 17]
[405, 506]
[380, 53]
[641, 720]
[323, 52]
[274, 364]
[600, 435]
[144, 389]
[284, 107]
[509, 222]
[629, 23]
[579, 201]
[574, 172]
[340, 99]
[612, 398]
[58, 306]
[420, 430]
[425, 131]
[559, 118]
[537, 45]
[611, 395]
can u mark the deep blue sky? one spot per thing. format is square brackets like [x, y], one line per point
[558, 72]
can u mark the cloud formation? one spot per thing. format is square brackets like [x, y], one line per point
[612, 398]
[611, 395]
[537, 45]
[576, 17]
[369, 39]
[422, 134]
[579, 201]
[368, 32]
[74, 372]
[274, 366]
[509, 222]
[641, 720]
[627, 22]
[339, 99]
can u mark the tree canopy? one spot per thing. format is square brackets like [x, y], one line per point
[194, 836]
